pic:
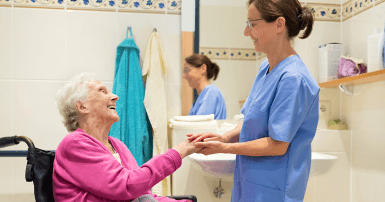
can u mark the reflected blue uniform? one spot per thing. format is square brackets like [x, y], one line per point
[210, 101]
[282, 105]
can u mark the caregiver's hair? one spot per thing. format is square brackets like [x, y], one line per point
[196, 60]
[75, 90]
[297, 17]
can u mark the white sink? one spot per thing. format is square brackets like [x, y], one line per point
[222, 165]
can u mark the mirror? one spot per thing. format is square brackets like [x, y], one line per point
[221, 38]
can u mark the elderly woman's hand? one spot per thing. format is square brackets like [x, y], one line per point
[186, 148]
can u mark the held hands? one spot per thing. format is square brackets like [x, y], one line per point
[209, 143]
[186, 148]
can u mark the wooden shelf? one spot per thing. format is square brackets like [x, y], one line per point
[356, 80]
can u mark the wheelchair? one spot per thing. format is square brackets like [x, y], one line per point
[39, 169]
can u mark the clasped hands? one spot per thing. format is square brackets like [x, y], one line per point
[208, 143]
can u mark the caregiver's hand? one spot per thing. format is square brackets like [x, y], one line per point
[206, 137]
[212, 147]
[186, 148]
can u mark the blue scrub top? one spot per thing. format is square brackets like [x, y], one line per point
[210, 101]
[282, 105]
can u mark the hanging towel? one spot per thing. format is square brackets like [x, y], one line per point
[154, 67]
[133, 127]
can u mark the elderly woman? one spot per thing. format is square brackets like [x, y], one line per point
[198, 70]
[91, 166]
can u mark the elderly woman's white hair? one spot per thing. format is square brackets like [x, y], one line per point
[75, 90]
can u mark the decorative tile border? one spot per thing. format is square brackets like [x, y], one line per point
[347, 10]
[140, 6]
[361, 5]
[231, 53]
[174, 6]
[6, 3]
[151, 6]
[39, 3]
[326, 12]
[215, 53]
[106, 5]
[354, 7]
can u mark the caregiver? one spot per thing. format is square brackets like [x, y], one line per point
[280, 114]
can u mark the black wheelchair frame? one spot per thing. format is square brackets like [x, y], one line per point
[39, 168]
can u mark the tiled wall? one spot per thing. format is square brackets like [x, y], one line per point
[365, 110]
[358, 174]
[44, 43]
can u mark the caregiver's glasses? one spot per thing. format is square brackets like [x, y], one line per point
[250, 24]
[186, 70]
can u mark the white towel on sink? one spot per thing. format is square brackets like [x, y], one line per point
[193, 125]
[194, 118]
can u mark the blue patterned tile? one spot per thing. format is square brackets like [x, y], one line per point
[107, 5]
[39, 3]
[6, 3]
[174, 6]
[146, 6]
[347, 10]
[215, 53]
[326, 12]
[361, 5]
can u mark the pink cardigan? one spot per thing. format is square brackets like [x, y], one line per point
[85, 170]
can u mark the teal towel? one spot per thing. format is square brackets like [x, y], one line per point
[133, 128]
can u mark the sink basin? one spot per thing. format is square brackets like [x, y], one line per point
[320, 163]
[214, 165]
[222, 165]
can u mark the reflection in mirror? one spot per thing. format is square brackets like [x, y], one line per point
[198, 70]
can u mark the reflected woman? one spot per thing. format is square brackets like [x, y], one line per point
[198, 70]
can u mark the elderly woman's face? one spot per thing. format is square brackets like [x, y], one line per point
[101, 102]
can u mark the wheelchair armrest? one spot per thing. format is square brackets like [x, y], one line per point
[188, 197]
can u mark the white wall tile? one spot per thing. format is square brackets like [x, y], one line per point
[236, 28]
[174, 100]
[91, 43]
[299, 46]
[239, 3]
[142, 25]
[379, 16]
[39, 43]
[378, 184]
[6, 109]
[357, 41]
[6, 43]
[7, 173]
[215, 26]
[334, 184]
[332, 141]
[323, 32]
[174, 49]
[362, 178]
[21, 186]
[36, 115]
[309, 195]
[323, 1]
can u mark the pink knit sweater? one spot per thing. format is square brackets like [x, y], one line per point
[85, 171]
